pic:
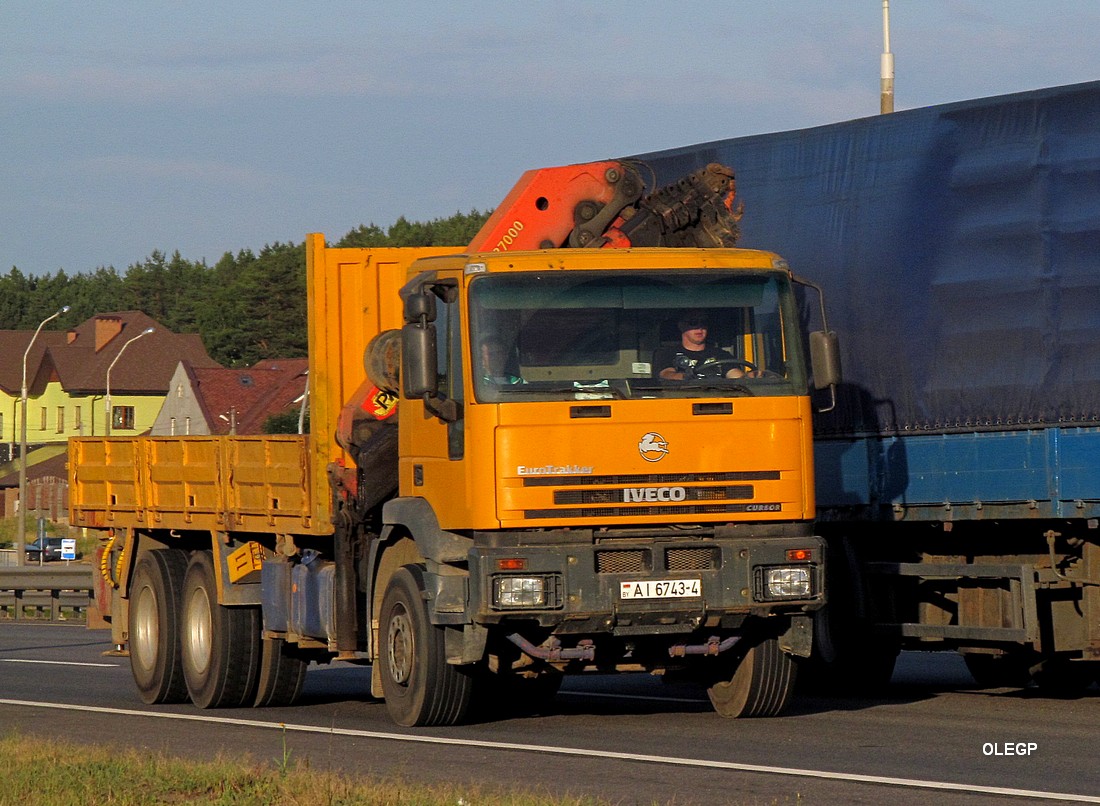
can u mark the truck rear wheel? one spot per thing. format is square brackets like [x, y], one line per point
[220, 645]
[282, 673]
[154, 626]
[420, 687]
[761, 685]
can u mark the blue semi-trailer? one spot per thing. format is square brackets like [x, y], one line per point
[959, 474]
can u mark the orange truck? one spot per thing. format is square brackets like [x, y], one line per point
[502, 483]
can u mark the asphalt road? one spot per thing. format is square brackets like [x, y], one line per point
[630, 739]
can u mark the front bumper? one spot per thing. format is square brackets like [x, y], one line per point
[666, 584]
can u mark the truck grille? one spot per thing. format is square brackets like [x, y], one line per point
[631, 561]
[611, 512]
[617, 496]
[648, 495]
[703, 558]
[650, 479]
[623, 561]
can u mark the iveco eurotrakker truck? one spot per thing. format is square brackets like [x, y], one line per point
[498, 486]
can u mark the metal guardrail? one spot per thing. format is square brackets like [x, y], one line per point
[63, 592]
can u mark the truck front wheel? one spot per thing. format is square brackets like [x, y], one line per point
[154, 626]
[220, 645]
[761, 685]
[420, 687]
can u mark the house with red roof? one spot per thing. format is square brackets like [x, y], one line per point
[214, 400]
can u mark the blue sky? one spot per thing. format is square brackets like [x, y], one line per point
[210, 127]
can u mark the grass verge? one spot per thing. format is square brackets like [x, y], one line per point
[62, 774]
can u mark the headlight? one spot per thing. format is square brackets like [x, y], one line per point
[794, 582]
[519, 591]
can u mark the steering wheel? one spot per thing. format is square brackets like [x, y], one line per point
[724, 365]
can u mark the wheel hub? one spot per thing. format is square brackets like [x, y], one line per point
[198, 630]
[400, 646]
[145, 636]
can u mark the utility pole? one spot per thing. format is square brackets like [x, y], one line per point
[886, 99]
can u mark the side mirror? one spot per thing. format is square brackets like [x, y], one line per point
[420, 370]
[419, 356]
[825, 358]
[420, 306]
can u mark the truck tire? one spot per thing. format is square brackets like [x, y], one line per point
[220, 645]
[282, 673]
[154, 626]
[761, 686]
[419, 686]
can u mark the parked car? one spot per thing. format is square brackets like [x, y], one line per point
[53, 550]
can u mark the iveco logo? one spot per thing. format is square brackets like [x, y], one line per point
[652, 447]
[653, 495]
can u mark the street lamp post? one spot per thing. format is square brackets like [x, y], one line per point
[107, 396]
[20, 541]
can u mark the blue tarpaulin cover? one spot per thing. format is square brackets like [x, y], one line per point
[958, 247]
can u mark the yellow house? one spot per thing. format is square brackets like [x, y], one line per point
[124, 358]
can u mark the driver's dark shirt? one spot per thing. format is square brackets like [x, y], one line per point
[666, 357]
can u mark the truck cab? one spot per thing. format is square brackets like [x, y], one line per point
[587, 513]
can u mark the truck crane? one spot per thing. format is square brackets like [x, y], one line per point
[498, 487]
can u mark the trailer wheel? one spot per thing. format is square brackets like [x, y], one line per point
[154, 626]
[761, 685]
[220, 645]
[420, 687]
[282, 673]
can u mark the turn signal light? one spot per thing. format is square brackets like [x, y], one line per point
[512, 564]
[799, 555]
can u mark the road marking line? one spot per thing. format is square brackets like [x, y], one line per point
[910, 783]
[57, 662]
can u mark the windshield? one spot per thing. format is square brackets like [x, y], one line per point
[592, 335]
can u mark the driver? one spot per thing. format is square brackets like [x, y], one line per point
[690, 359]
[494, 359]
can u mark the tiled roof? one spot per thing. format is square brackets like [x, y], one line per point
[249, 396]
[79, 358]
[13, 343]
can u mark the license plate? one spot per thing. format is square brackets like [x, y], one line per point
[661, 589]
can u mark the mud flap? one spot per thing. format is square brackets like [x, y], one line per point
[466, 644]
[799, 637]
